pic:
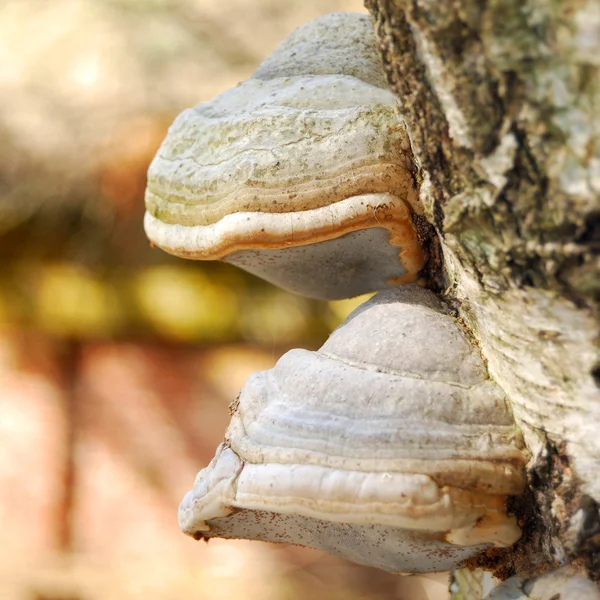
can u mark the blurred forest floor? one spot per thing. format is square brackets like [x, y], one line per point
[117, 362]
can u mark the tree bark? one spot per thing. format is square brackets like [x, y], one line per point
[500, 99]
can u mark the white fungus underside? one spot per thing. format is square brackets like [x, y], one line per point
[322, 509]
[346, 265]
[391, 549]
[349, 265]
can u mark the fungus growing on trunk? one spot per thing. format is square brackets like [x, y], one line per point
[302, 175]
[389, 446]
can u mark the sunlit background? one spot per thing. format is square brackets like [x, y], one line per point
[118, 362]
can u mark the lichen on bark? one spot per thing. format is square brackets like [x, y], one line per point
[501, 103]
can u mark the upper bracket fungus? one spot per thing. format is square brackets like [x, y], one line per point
[390, 446]
[302, 174]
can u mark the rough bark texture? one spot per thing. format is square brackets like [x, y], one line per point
[501, 101]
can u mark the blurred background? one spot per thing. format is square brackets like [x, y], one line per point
[118, 362]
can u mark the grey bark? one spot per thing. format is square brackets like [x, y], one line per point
[562, 584]
[501, 101]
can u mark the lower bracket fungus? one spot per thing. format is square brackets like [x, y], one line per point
[390, 446]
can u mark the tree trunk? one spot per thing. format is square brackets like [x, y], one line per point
[500, 100]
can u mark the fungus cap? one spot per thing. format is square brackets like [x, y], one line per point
[390, 446]
[302, 175]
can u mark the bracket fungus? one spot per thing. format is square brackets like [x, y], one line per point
[302, 175]
[390, 446]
